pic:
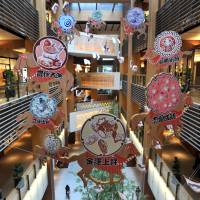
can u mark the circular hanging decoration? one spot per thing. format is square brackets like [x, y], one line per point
[103, 135]
[97, 15]
[163, 93]
[52, 144]
[168, 43]
[135, 17]
[50, 53]
[67, 23]
[42, 106]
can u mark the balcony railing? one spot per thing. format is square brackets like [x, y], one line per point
[8, 123]
[178, 190]
[139, 43]
[139, 79]
[182, 15]
[191, 126]
[138, 94]
[19, 17]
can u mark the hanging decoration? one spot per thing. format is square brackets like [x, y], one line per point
[43, 113]
[64, 25]
[43, 108]
[135, 22]
[167, 49]
[163, 93]
[166, 103]
[50, 53]
[135, 17]
[52, 144]
[95, 21]
[103, 135]
[107, 149]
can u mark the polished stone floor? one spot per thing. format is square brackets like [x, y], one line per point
[69, 177]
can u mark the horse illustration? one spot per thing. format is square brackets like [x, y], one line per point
[125, 154]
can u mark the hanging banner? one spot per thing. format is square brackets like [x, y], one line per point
[167, 49]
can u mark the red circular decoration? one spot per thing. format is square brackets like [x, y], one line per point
[163, 93]
[50, 53]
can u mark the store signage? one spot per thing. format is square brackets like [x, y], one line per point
[100, 80]
[50, 54]
[167, 49]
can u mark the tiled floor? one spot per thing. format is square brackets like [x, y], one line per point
[68, 176]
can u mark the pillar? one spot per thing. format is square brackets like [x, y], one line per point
[153, 7]
[41, 8]
[130, 72]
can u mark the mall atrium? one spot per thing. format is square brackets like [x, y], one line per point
[99, 99]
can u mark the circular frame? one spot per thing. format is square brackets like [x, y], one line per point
[41, 103]
[86, 126]
[167, 43]
[51, 59]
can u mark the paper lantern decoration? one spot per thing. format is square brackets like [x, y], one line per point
[67, 23]
[168, 43]
[103, 134]
[50, 53]
[52, 144]
[135, 17]
[42, 106]
[163, 93]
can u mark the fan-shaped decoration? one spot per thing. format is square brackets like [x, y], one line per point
[50, 53]
[42, 106]
[163, 93]
[135, 17]
[52, 144]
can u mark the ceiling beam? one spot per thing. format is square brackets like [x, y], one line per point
[113, 8]
[99, 1]
[79, 7]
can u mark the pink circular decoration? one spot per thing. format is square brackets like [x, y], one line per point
[50, 53]
[167, 43]
[163, 93]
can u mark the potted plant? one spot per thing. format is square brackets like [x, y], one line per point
[17, 173]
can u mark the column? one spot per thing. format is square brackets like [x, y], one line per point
[130, 73]
[153, 7]
[41, 8]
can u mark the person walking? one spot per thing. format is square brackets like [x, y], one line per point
[67, 190]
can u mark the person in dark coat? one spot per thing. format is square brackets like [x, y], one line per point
[67, 190]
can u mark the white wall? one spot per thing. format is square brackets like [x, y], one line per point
[39, 185]
[158, 185]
